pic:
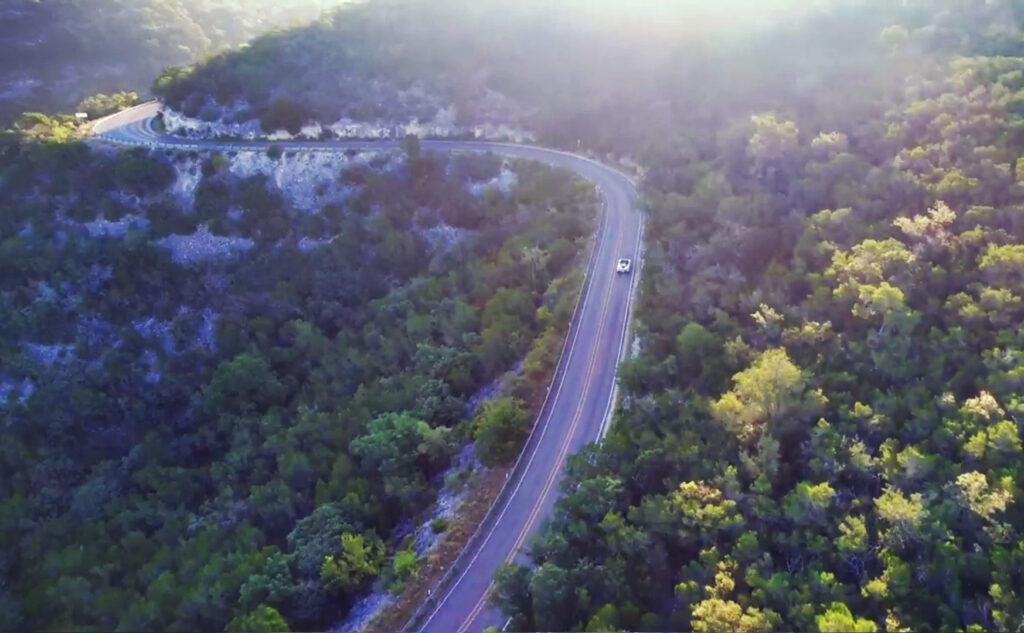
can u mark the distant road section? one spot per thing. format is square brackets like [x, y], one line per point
[580, 398]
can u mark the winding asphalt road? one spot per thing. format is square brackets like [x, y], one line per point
[580, 398]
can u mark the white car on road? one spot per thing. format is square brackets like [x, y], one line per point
[624, 265]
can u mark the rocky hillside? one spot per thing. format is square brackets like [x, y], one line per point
[224, 376]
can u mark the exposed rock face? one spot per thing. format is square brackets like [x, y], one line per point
[442, 125]
[203, 245]
[101, 227]
[308, 180]
[178, 123]
[188, 173]
[503, 182]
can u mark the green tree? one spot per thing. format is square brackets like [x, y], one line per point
[853, 537]
[317, 536]
[404, 452]
[499, 430]
[905, 515]
[244, 384]
[606, 619]
[838, 619]
[772, 143]
[1003, 265]
[283, 114]
[36, 127]
[411, 146]
[808, 503]
[272, 586]
[770, 390]
[554, 604]
[507, 319]
[99, 105]
[715, 615]
[974, 492]
[262, 619]
[405, 564]
[358, 563]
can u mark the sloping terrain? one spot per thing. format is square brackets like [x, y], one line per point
[60, 51]
[229, 392]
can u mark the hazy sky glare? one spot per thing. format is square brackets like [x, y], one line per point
[732, 8]
[654, 18]
[655, 8]
[664, 21]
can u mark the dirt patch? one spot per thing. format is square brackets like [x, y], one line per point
[483, 488]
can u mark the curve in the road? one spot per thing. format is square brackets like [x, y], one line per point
[579, 401]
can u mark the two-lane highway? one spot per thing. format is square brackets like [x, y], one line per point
[581, 396]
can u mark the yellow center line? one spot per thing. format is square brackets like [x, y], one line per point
[563, 450]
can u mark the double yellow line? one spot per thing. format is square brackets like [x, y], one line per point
[563, 450]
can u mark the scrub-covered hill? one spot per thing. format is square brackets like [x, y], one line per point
[57, 52]
[567, 71]
[611, 77]
[231, 386]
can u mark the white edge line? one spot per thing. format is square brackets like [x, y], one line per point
[607, 416]
[544, 414]
[626, 327]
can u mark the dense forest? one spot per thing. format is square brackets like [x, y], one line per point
[239, 436]
[817, 429]
[60, 51]
[820, 431]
